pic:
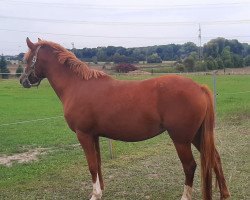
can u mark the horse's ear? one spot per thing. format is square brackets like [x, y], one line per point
[30, 44]
[39, 40]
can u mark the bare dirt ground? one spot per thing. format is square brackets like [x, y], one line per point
[228, 71]
[31, 155]
[137, 72]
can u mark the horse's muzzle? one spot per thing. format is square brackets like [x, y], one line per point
[24, 81]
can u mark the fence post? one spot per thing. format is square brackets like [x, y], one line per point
[215, 92]
[111, 149]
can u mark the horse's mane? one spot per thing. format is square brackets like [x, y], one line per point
[69, 59]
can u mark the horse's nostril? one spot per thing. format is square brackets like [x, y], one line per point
[25, 83]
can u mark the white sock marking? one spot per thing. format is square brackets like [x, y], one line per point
[187, 193]
[97, 192]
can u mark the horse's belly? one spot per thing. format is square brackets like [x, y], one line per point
[132, 132]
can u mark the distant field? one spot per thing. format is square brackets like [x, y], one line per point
[144, 170]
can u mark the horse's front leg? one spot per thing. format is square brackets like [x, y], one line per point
[88, 143]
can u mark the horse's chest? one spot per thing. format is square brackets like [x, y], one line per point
[79, 118]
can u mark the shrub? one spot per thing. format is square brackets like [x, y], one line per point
[200, 66]
[125, 68]
[247, 60]
[189, 63]
[3, 68]
[19, 70]
[219, 63]
[163, 70]
[211, 63]
[154, 58]
[237, 61]
[180, 67]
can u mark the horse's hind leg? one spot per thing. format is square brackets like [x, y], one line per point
[189, 165]
[224, 192]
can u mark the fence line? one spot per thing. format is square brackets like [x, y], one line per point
[33, 120]
[56, 117]
[110, 144]
[242, 92]
[10, 73]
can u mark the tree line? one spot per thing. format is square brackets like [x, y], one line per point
[218, 53]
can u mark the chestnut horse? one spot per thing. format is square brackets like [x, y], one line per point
[97, 105]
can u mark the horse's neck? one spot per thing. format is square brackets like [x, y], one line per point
[61, 79]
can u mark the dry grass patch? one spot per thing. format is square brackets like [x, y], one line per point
[29, 156]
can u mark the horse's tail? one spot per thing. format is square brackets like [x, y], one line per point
[207, 146]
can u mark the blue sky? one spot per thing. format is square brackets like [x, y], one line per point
[130, 23]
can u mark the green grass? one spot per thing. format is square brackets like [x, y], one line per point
[143, 170]
[165, 69]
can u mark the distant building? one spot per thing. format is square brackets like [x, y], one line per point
[12, 68]
[14, 62]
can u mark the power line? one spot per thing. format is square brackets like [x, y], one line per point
[116, 37]
[131, 7]
[173, 23]
[93, 36]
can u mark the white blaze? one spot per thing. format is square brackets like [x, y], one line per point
[97, 192]
[187, 193]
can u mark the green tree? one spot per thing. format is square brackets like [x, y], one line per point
[187, 48]
[211, 64]
[220, 63]
[237, 61]
[94, 59]
[20, 56]
[19, 70]
[189, 63]
[227, 57]
[101, 54]
[3, 68]
[246, 50]
[117, 58]
[154, 58]
[247, 60]
[211, 49]
[235, 46]
[138, 55]
[200, 66]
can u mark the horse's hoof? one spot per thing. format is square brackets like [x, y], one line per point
[96, 196]
[224, 197]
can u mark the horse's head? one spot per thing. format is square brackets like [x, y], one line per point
[32, 75]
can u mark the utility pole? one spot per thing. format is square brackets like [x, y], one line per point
[73, 45]
[199, 38]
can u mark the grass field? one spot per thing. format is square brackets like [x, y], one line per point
[144, 170]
